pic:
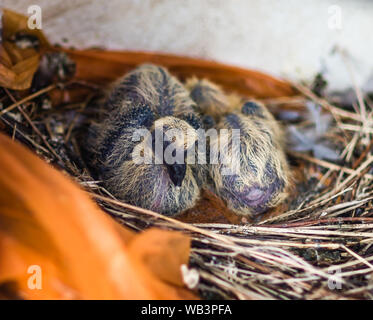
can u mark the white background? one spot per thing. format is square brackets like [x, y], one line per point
[287, 38]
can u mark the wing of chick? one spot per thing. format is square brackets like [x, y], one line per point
[155, 87]
[211, 100]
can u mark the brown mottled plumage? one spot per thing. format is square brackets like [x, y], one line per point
[263, 175]
[145, 98]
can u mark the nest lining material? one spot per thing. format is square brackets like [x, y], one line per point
[318, 246]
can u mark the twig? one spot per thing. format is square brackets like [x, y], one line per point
[28, 98]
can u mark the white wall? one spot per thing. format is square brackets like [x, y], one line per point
[288, 38]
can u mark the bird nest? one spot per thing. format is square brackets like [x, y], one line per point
[317, 245]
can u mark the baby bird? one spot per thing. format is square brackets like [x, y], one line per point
[142, 109]
[261, 175]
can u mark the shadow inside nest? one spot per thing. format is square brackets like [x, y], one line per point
[288, 252]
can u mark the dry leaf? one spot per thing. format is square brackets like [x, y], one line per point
[46, 220]
[154, 247]
[18, 64]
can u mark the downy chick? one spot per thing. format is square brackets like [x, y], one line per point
[261, 175]
[141, 108]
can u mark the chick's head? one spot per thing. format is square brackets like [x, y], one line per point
[171, 143]
[164, 170]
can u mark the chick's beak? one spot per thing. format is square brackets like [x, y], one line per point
[177, 173]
